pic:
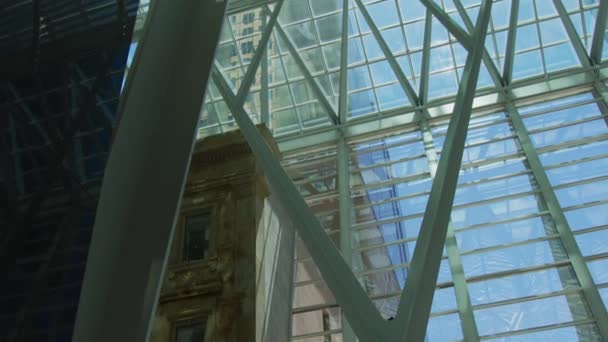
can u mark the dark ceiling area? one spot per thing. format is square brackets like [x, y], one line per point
[62, 64]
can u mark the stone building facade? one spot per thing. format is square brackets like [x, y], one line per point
[218, 286]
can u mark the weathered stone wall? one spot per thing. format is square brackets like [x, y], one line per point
[225, 181]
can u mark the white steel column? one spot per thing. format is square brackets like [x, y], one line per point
[146, 171]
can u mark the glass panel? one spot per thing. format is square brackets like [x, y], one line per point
[535, 313]
[494, 211]
[512, 258]
[589, 217]
[585, 332]
[578, 172]
[316, 293]
[593, 243]
[562, 116]
[599, 271]
[522, 285]
[316, 321]
[190, 333]
[504, 233]
[569, 133]
[574, 153]
[492, 189]
[196, 237]
[583, 193]
[444, 328]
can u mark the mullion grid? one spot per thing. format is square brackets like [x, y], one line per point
[572, 184]
[365, 63]
[520, 243]
[498, 59]
[453, 42]
[541, 47]
[315, 74]
[581, 11]
[539, 37]
[412, 239]
[540, 213]
[590, 309]
[287, 83]
[409, 55]
[585, 34]
[321, 160]
[452, 67]
[408, 51]
[240, 66]
[414, 80]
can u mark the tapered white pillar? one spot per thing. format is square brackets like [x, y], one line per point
[146, 170]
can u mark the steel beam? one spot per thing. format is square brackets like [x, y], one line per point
[265, 92]
[426, 57]
[314, 85]
[108, 114]
[28, 113]
[69, 221]
[407, 87]
[507, 73]
[260, 51]
[466, 39]
[150, 156]
[463, 300]
[488, 61]
[345, 204]
[590, 291]
[417, 297]
[12, 241]
[343, 96]
[358, 308]
[599, 33]
[576, 41]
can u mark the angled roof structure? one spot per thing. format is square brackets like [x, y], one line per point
[476, 129]
[445, 161]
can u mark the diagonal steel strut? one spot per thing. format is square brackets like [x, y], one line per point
[415, 305]
[416, 299]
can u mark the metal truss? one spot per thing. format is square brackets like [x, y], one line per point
[407, 87]
[444, 183]
[463, 300]
[316, 88]
[507, 72]
[414, 309]
[466, 39]
[590, 291]
[60, 146]
[345, 205]
[599, 34]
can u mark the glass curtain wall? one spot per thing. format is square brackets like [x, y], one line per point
[529, 225]
[518, 275]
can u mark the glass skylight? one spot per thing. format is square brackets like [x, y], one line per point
[532, 190]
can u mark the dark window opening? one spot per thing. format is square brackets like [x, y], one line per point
[196, 237]
[248, 18]
[247, 48]
[190, 333]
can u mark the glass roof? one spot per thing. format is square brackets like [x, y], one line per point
[403, 57]
[297, 84]
[302, 58]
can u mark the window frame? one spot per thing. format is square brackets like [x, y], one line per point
[184, 248]
[210, 209]
[188, 322]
